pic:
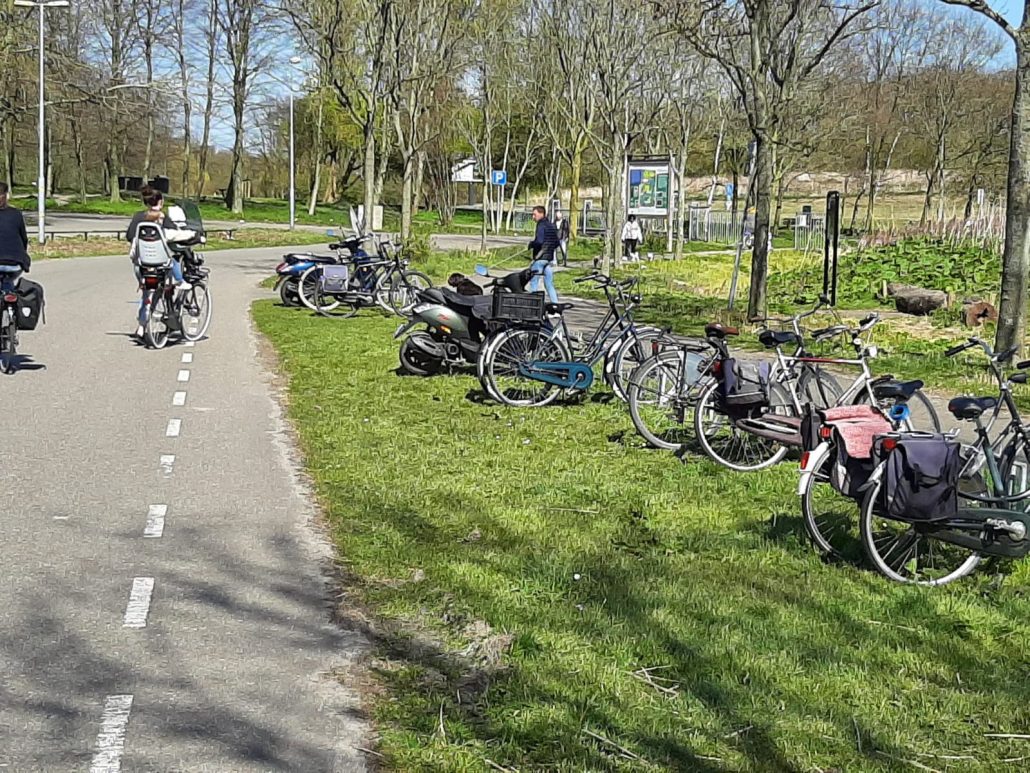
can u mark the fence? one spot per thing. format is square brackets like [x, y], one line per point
[707, 225]
[809, 232]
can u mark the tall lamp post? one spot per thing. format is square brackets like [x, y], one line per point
[294, 61]
[41, 180]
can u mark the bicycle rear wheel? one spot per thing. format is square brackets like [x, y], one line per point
[159, 313]
[516, 347]
[730, 446]
[905, 552]
[625, 356]
[405, 288]
[310, 290]
[922, 415]
[8, 340]
[195, 312]
[830, 518]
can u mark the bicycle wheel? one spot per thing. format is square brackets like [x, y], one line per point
[625, 356]
[662, 396]
[195, 312]
[405, 288]
[8, 340]
[906, 552]
[730, 446]
[159, 315]
[289, 291]
[830, 518]
[309, 289]
[922, 415]
[521, 346]
[819, 388]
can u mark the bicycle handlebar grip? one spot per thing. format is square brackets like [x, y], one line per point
[958, 349]
[1023, 365]
[869, 320]
[1007, 355]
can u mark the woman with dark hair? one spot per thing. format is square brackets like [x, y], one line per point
[154, 202]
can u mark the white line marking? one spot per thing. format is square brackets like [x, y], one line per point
[191, 343]
[179, 399]
[111, 738]
[187, 358]
[167, 463]
[139, 603]
[184, 376]
[155, 521]
[174, 425]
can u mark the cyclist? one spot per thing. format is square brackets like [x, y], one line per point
[14, 239]
[544, 243]
[154, 201]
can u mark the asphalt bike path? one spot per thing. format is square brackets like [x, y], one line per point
[164, 601]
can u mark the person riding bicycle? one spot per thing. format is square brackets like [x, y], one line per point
[14, 239]
[154, 201]
[545, 242]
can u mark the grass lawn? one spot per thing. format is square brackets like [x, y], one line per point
[549, 595]
[68, 247]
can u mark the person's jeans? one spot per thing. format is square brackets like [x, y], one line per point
[565, 252]
[545, 269]
[176, 269]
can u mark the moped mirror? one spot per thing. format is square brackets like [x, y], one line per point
[482, 270]
[330, 232]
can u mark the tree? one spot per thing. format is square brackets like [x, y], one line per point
[768, 49]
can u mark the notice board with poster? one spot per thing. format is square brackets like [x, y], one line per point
[649, 187]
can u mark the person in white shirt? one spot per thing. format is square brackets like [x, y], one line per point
[631, 238]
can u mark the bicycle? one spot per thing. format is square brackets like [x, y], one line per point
[361, 280]
[530, 366]
[9, 318]
[993, 480]
[187, 313]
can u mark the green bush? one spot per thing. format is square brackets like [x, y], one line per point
[417, 248]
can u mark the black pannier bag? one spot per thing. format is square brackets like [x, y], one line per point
[30, 304]
[920, 481]
[744, 386]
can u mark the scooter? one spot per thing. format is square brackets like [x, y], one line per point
[456, 326]
[294, 264]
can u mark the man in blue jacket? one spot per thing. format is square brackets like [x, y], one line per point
[544, 243]
[14, 240]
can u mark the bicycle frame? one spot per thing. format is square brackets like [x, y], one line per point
[617, 323]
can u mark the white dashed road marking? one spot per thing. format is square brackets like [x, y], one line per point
[167, 463]
[174, 426]
[191, 343]
[139, 603]
[184, 376]
[111, 738]
[187, 358]
[155, 521]
[179, 399]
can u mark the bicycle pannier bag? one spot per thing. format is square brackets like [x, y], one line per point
[30, 304]
[745, 386]
[920, 480]
[335, 279]
[854, 429]
[149, 247]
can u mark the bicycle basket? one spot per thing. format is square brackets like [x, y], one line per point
[518, 307]
[335, 279]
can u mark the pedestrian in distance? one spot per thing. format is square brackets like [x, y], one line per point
[631, 238]
[562, 224]
[545, 242]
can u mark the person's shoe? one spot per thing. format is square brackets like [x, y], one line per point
[139, 331]
[184, 286]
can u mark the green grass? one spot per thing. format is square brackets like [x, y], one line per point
[520, 566]
[73, 247]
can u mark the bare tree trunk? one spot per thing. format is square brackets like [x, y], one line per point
[368, 171]
[1016, 256]
[760, 253]
[575, 176]
[80, 161]
[318, 152]
[681, 201]
[113, 167]
[209, 100]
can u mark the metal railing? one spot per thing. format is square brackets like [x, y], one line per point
[705, 224]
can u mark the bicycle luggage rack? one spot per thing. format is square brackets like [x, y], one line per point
[518, 307]
[785, 430]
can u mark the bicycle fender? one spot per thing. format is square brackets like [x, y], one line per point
[815, 460]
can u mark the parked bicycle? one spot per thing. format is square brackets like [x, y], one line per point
[530, 367]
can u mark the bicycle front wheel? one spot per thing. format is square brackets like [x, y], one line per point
[513, 349]
[9, 340]
[724, 442]
[830, 518]
[310, 291]
[922, 416]
[195, 312]
[405, 289]
[907, 552]
[662, 396]
[625, 356]
[158, 324]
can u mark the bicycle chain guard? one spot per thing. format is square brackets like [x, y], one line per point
[567, 375]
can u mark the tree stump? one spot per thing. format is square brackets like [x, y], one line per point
[910, 299]
[975, 312]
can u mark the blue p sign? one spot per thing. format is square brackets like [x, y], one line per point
[499, 177]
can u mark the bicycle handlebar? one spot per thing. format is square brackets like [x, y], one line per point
[962, 347]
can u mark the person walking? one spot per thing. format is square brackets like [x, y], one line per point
[562, 224]
[544, 243]
[631, 238]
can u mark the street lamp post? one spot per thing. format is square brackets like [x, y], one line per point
[41, 180]
[293, 172]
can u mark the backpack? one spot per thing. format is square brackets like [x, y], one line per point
[920, 481]
[30, 304]
[149, 247]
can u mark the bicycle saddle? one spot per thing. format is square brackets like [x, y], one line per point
[971, 407]
[897, 390]
[558, 308]
[718, 330]
[771, 338]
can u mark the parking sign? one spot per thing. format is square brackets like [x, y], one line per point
[499, 177]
